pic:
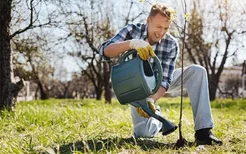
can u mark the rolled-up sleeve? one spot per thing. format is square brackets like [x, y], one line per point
[122, 35]
[101, 49]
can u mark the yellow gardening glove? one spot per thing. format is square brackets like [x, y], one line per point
[143, 48]
[151, 104]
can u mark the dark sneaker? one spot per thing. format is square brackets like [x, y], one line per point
[206, 137]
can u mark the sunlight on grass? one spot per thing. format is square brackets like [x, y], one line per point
[81, 126]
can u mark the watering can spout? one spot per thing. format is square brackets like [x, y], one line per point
[167, 126]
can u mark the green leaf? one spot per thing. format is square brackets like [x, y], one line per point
[187, 16]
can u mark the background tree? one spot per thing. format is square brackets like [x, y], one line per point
[82, 86]
[231, 87]
[33, 60]
[9, 89]
[212, 39]
[90, 24]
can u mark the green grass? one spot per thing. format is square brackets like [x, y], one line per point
[90, 126]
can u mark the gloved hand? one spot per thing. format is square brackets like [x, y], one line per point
[151, 104]
[143, 48]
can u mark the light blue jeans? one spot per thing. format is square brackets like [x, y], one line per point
[196, 84]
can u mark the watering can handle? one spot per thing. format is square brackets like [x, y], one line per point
[158, 64]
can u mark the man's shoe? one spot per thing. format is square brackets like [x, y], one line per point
[206, 137]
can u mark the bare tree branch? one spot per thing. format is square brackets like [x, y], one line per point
[30, 22]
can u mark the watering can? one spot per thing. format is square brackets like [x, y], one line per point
[133, 81]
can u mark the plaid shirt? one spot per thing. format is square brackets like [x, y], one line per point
[166, 49]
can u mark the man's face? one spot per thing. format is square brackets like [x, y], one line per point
[157, 27]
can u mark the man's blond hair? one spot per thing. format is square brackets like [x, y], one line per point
[161, 8]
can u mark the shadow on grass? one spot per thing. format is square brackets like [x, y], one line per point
[111, 144]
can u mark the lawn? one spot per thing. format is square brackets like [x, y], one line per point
[90, 126]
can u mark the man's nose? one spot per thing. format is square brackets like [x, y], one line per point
[161, 32]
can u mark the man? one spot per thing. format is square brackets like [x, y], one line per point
[153, 38]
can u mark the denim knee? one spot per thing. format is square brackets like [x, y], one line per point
[146, 131]
[197, 69]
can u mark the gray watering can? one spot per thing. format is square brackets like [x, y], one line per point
[133, 81]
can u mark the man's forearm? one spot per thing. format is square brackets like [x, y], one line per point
[161, 92]
[115, 49]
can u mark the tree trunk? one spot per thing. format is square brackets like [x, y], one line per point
[107, 86]
[213, 86]
[66, 86]
[98, 93]
[43, 93]
[8, 90]
[36, 93]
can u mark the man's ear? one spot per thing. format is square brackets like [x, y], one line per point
[148, 20]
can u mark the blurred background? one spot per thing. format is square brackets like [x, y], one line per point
[55, 44]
